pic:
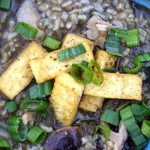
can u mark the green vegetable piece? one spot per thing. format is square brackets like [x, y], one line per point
[14, 120]
[5, 4]
[144, 57]
[5, 145]
[36, 135]
[51, 43]
[110, 116]
[71, 52]
[44, 114]
[84, 63]
[109, 70]
[11, 106]
[134, 130]
[105, 129]
[128, 122]
[126, 113]
[26, 30]
[117, 32]
[139, 140]
[88, 72]
[41, 90]
[34, 105]
[132, 38]
[146, 128]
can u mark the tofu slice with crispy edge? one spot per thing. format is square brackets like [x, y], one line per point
[18, 75]
[65, 98]
[73, 39]
[119, 86]
[48, 66]
[92, 103]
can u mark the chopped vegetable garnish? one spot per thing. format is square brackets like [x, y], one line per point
[146, 128]
[11, 106]
[71, 52]
[126, 113]
[105, 129]
[109, 70]
[34, 105]
[84, 63]
[98, 77]
[132, 38]
[110, 116]
[139, 140]
[36, 135]
[5, 145]
[44, 114]
[88, 73]
[117, 32]
[144, 57]
[134, 70]
[26, 30]
[41, 90]
[5, 4]
[51, 43]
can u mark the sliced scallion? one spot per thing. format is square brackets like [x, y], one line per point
[146, 128]
[110, 116]
[71, 52]
[126, 113]
[144, 57]
[51, 43]
[139, 140]
[109, 70]
[26, 30]
[88, 72]
[36, 135]
[84, 63]
[34, 105]
[117, 32]
[11, 106]
[5, 4]
[5, 145]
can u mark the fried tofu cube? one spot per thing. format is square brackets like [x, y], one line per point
[104, 59]
[48, 66]
[73, 39]
[18, 75]
[65, 98]
[119, 86]
[91, 103]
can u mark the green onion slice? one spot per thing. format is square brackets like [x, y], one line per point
[126, 113]
[36, 135]
[41, 90]
[84, 63]
[110, 116]
[105, 129]
[98, 76]
[109, 70]
[51, 43]
[144, 57]
[71, 52]
[5, 145]
[88, 72]
[146, 128]
[11, 106]
[5, 4]
[117, 32]
[134, 70]
[26, 30]
[139, 140]
[44, 114]
[14, 120]
[34, 105]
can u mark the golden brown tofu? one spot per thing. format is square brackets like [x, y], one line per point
[91, 103]
[65, 98]
[48, 66]
[119, 86]
[104, 59]
[18, 75]
[73, 39]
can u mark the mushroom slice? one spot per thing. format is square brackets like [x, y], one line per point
[68, 138]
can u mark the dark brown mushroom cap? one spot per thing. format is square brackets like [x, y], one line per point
[68, 138]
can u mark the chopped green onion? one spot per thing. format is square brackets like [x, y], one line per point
[134, 70]
[139, 140]
[5, 145]
[14, 120]
[26, 30]
[110, 116]
[71, 52]
[5, 4]
[141, 146]
[44, 114]
[98, 77]
[126, 113]
[144, 57]
[132, 38]
[105, 129]
[117, 32]
[84, 63]
[51, 43]
[88, 72]
[128, 122]
[41, 90]
[36, 135]
[146, 128]
[109, 70]
[11, 106]
[34, 105]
